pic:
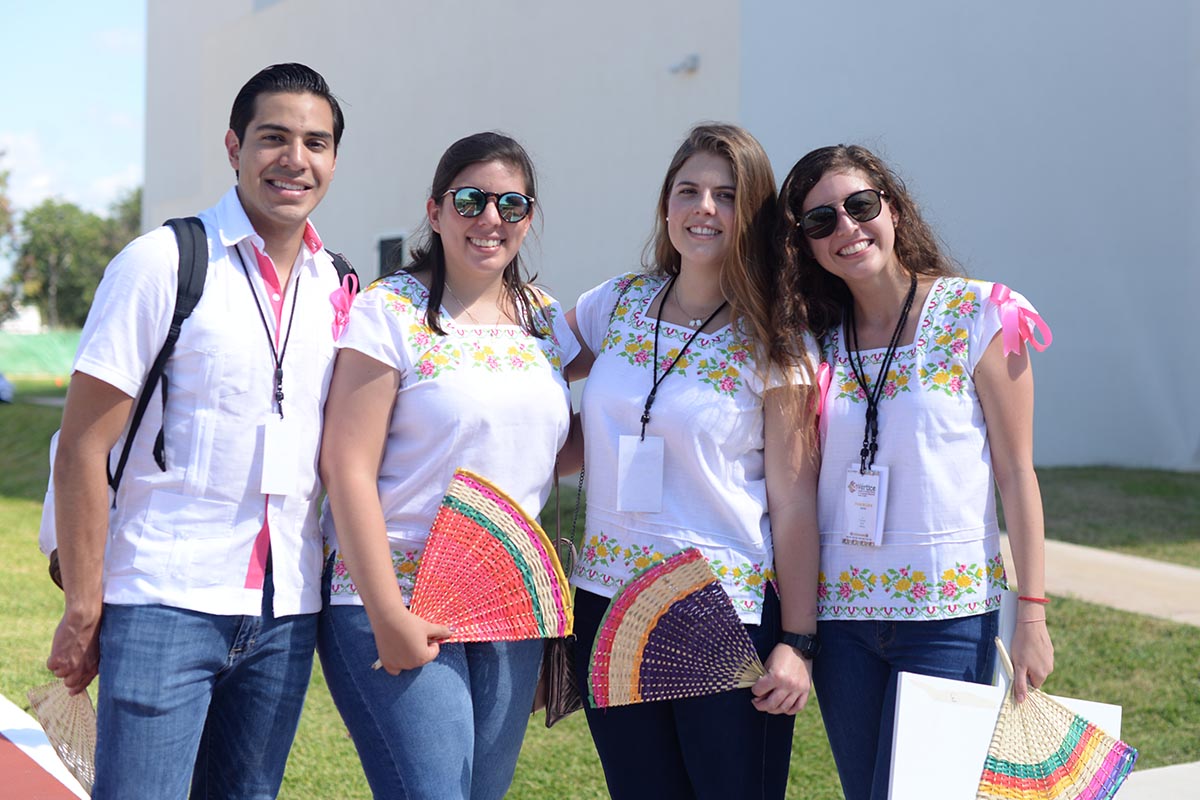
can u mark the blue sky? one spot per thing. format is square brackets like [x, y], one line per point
[74, 97]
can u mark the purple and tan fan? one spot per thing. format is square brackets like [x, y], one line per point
[70, 724]
[671, 632]
[489, 572]
[1041, 750]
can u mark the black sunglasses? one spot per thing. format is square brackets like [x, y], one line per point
[863, 206]
[470, 202]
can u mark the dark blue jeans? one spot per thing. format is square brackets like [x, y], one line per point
[204, 699]
[716, 746]
[856, 673]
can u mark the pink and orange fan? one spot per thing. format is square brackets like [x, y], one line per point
[489, 572]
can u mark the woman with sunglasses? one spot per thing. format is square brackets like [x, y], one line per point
[930, 401]
[693, 414]
[454, 361]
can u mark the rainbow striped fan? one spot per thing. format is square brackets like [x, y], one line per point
[1041, 750]
[671, 632]
[489, 572]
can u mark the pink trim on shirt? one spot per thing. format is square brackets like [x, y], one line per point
[256, 571]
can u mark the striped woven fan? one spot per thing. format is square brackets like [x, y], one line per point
[671, 632]
[489, 572]
[1041, 750]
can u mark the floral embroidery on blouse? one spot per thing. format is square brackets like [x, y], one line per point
[968, 586]
[942, 343]
[721, 369]
[603, 555]
[404, 562]
[495, 349]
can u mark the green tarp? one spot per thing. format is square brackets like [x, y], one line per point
[38, 355]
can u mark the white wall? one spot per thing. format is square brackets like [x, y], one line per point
[588, 92]
[1054, 146]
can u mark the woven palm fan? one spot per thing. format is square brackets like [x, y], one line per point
[70, 724]
[489, 572]
[671, 632]
[1041, 750]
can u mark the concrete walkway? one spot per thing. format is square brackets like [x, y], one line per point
[1142, 586]
[1130, 583]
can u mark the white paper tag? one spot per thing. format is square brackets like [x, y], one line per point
[281, 457]
[866, 505]
[639, 473]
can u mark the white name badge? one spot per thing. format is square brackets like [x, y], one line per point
[866, 505]
[281, 457]
[639, 473]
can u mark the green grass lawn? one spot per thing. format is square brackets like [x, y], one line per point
[1147, 666]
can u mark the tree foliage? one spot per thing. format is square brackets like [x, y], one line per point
[62, 251]
[6, 211]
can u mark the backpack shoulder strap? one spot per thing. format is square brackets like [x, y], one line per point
[193, 268]
[341, 265]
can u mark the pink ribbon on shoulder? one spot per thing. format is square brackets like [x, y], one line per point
[342, 298]
[1019, 322]
[824, 377]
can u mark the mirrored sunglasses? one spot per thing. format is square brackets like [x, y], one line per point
[862, 206]
[470, 202]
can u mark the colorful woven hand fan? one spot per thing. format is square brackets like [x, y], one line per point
[1041, 750]
[671, 632]
[489, 572]
[69, 722]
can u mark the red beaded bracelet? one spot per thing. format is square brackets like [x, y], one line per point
[1042, 601]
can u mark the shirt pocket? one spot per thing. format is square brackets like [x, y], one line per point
[186, 538]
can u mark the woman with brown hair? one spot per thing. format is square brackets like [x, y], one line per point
[929, 409]
[693, 414]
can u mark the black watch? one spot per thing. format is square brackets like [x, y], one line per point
[806, 644]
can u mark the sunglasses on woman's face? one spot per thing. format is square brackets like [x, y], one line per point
[863, 206]
[470, 202]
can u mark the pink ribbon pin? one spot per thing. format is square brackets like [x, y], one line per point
[824, 377]
[342, 298]
[1019, 322]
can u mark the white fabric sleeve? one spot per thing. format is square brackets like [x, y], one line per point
[797, 375]
[568, 345]
[131, 313]
[988, 324]
[376, 328]
[593, 311]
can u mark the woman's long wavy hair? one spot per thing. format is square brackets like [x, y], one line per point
[747, 275]
[808, 294]
[429, 253]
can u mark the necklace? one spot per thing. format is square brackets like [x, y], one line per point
[694, 321]
[466, 310]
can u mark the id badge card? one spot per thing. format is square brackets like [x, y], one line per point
[866, 505]
[281, 457]
[639, 473]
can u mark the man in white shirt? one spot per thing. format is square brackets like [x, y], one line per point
[195, 594]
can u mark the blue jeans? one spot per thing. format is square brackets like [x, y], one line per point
[717, 746]
[855, 677]
[450, 729]
[205, 699]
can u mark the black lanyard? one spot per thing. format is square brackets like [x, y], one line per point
[658, 379]
[276, 357]
[875, 392]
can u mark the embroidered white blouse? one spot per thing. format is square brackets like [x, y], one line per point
[709, 412]
[490, 399]
[940, 553]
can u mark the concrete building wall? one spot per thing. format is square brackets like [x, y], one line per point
[1053, 146]
[590, 93]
